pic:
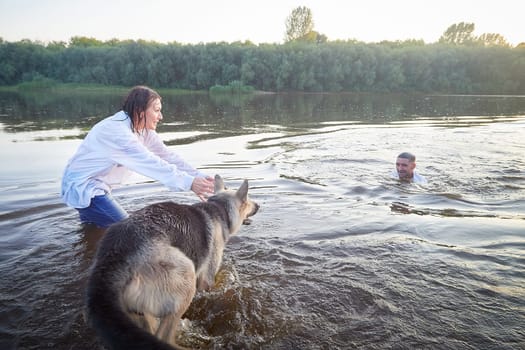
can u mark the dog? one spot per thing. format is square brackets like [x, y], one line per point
[148, 267]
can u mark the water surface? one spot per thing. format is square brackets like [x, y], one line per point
[339, 256]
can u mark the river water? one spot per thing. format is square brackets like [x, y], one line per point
[340, 255]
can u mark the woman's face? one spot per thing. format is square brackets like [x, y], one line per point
[153, 114]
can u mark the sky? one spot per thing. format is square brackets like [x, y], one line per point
[259, 21]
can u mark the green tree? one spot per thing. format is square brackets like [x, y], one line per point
[484, 66]
[492, 39]
[458, 34]
[313, 37]
[299, 24]
[82, 41]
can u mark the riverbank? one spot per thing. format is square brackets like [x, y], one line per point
[38, 86]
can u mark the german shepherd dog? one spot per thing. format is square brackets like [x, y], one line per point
[148, 267]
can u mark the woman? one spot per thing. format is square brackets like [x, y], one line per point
[125, 140]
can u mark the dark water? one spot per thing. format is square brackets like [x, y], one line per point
[340, 256]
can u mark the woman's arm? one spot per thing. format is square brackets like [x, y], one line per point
[155, 145]
[124, 148]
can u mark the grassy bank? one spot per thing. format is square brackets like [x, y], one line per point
[52, 86]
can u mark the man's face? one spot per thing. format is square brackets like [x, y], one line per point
[405, 168]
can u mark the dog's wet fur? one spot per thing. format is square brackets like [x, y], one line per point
[149, 266]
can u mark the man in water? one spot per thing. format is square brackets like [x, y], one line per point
[405, 169]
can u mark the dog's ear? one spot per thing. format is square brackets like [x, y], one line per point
[242, 192]
[219, 184]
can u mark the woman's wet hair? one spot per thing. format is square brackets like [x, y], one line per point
[137, 102]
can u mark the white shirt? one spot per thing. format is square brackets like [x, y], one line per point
[110, 150]
[417, 178]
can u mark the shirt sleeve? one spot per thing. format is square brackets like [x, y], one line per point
[124, 148]
[156, 146]
[420, 179]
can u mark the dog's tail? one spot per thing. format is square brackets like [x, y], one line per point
[113, 326]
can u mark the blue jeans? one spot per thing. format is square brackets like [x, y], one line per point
[102, 211]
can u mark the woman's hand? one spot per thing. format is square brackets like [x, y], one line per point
[203, 187]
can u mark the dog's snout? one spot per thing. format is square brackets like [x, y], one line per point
[255, 208]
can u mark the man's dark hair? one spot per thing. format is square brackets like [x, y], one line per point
[407, 155]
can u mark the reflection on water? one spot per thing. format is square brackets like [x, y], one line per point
[339, 255]
[45, 111]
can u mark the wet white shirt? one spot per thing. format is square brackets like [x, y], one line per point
[417, 178]
[108, 153]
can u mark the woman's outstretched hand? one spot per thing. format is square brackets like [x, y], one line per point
[203, 187]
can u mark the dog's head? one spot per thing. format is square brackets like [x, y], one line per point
[243, 205]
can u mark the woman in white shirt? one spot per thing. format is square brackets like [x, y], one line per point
[125, 141]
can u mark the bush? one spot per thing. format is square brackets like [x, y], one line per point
[234, 87]
[38, 82]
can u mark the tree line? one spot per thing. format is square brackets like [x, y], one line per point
[296, 65]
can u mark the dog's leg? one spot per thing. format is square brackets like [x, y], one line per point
[169, 324]
[147, 322]
[180, 284]
[168, 327]
[206, 278]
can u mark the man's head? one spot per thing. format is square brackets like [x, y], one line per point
[405, 165]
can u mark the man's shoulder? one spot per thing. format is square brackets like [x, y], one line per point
[419, 179]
